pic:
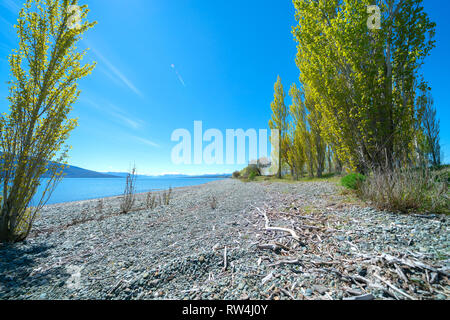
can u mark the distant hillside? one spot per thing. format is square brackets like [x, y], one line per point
[76, 172]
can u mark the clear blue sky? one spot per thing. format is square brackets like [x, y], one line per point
[164, 64]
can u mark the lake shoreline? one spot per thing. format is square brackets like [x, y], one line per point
[73, 190]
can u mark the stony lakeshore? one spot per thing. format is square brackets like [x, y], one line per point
[231, 240]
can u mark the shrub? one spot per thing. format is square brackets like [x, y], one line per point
[236, 174]
[252, 176]
[406, 190]
[249, 170]
[353, 180]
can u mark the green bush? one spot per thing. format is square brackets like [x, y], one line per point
[236, 174]
[251, 169]
[353, 180]
[252, 176]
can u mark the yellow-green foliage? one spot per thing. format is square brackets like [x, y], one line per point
[250, 170]
[43, 87]
[296, 144]
[279, 118]
[316, 136]
[364, 82]
[304, 142]
[23, 226]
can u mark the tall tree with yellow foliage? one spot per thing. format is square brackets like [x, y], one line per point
[279, 120]
[316, 138]
[364, 80]
[296, 150]
[45, 70]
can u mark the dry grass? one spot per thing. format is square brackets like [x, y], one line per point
[406, 190]
[129, 195]
[166, 197]
[150, 201]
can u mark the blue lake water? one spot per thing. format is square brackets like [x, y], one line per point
[74, 189]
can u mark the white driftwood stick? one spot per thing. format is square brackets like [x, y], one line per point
[268, 227]
[225, 261]
[361, 297]
[394, 287]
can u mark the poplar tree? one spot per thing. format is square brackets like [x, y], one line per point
[279, 120]
[364, 80]
[44, 70]
[296, 152]
[316, 137]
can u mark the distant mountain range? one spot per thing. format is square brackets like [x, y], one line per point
[76, 172]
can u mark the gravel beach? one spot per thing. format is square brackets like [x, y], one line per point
[326, 247]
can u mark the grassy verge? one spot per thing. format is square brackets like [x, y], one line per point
[330, 177]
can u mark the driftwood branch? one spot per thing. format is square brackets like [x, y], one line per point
[268, 227]
[281, 262]
[390, 285]
[225, 260]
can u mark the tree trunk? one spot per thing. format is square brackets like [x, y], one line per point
[5, 233]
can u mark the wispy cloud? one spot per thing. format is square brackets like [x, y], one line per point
[117, 73]
[123, 118]
[146, 142]
[135, 124]
[117, 113]
[178, 75]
